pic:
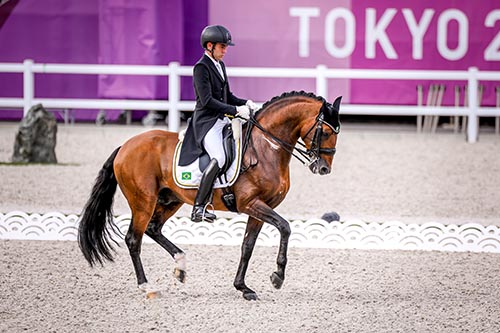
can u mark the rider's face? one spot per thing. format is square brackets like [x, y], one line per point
[219, 51]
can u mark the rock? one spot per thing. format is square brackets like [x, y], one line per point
[331, 216]
[36, 137]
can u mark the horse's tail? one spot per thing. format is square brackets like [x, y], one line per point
[94, 237]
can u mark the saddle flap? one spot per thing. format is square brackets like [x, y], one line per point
[188, 176]
[229, 147]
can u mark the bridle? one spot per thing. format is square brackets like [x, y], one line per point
[306, 156]
[316, 150]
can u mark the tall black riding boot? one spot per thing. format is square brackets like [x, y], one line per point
[204, 192]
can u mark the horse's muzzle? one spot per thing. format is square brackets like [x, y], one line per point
[320, 166]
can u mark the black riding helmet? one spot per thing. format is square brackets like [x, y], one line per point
[215, 34]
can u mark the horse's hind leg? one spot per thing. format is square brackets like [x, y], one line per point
[166, 206]
[251, 233]
[133, 239]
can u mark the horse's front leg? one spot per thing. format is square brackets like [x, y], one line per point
[251, 233]
[264, 213]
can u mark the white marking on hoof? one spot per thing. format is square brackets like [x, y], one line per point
[143, 287]
[150, 291]
[180, 267]
[180, 261]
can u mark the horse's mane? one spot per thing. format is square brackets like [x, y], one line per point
[332, 114]
[292, 94]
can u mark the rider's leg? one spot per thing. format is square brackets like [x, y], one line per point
[204, 192]
[213, 146]
[213, 142]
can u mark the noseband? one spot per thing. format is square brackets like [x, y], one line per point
[313, 153]
[307, 155]
[318, 135]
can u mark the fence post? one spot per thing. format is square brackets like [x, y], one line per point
[174, 118]
[28, 86]
[472, 119]
[321, 82]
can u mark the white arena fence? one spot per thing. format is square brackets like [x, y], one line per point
[313, 233]
[321, 74]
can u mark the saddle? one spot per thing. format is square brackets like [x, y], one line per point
[229, 147]
[189, 176]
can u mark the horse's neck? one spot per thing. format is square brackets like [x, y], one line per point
[282, 124]
[285, 123]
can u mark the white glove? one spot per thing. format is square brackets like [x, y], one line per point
[243, 111]
[252, 105]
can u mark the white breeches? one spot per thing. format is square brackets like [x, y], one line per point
[213, 142]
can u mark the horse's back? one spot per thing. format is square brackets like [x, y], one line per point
[146, 154]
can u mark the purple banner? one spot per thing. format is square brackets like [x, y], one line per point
[98, 31]
[131, 33]
[380, 34]
[389, 34]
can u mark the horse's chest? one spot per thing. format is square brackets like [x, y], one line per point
[280, 192]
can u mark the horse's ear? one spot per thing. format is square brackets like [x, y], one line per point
[331, 113]
[336, 104]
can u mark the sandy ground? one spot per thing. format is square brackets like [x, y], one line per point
[325, 291]
[378, 175]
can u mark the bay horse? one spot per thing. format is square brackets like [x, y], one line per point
[142, 167]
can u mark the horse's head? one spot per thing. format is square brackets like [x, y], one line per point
[321, 137]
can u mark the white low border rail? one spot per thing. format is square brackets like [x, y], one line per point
[313, 233]
[321, 74]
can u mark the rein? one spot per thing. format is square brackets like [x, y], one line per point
[305, 156]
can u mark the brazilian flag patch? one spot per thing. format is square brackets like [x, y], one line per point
[186, 176]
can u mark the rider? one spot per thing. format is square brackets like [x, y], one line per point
[214, 104]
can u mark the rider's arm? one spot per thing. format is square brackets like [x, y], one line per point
[203, 87]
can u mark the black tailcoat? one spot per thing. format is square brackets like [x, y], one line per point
[214, 99]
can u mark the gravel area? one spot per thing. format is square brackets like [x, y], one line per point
[379, 174]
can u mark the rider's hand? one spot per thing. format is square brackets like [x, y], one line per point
[243, 111]
[252, 105]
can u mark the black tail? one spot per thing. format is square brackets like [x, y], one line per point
[94, 237]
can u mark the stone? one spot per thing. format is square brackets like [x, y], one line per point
[331, 217]
[36, 138]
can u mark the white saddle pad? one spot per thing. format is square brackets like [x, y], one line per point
[189, 176]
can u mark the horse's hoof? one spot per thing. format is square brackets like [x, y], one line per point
[250, 296]
[276, 280]
[180, 274]
[153, 294]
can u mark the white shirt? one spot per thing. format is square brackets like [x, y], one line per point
[217, 65]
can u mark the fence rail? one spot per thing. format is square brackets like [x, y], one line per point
[320, 73]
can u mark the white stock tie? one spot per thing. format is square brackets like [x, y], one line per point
[219, 68]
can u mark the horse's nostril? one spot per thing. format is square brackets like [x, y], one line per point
[324, 170]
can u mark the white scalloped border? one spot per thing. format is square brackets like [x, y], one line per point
[313, 233]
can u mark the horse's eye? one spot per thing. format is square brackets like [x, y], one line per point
[326, 135]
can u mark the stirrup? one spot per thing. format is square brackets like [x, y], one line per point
[205, 214]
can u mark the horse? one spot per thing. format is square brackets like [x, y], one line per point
[142, 168]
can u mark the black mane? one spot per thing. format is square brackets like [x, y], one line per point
[330, 111]
[292, 94]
